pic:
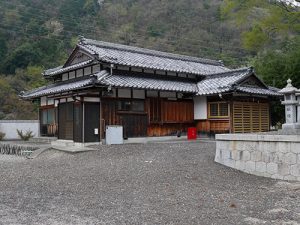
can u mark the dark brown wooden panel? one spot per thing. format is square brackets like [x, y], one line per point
[65, 118]
[134, 125]
[78, 122]
[91, 121]
[168, 129]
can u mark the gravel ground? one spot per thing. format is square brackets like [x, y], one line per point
[162, 183]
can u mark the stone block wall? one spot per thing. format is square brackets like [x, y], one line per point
[275, 156]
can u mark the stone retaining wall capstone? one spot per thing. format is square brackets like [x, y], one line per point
[275, 156]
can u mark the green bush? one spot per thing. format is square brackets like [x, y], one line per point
[25, 137]
[2, 135]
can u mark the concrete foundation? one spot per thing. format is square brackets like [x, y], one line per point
[268, 155]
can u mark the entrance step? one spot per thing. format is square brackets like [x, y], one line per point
[46, 140]
[63, 143]
[71, 146]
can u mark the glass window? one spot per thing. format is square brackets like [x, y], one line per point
[218, 110]
[137, 106]
[51, 116]
[48, 116]
[124, 105]
[134, 106]
[213, 109]
[223, 109]
[44, 117]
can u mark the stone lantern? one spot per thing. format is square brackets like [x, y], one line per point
[291, 104]
[298, 106]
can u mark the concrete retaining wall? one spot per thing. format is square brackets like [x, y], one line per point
[9, 127]
[275, 156]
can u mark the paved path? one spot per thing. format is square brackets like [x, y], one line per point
[157, 183]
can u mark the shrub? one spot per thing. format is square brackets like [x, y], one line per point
[2, 135]
[25, 137]
[9, 149]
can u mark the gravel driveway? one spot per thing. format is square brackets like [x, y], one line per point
[158, 183]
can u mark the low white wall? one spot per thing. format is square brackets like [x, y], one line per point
[9, 127]
[275, 156]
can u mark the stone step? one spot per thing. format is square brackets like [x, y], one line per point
[47, 140]
[63, 143]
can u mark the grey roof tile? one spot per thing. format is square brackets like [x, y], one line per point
[129, 81]
[258, 91]
[229, 81]
[62, 69]
[220, 83]
[146, 58]
[57, 88]
[210, 85]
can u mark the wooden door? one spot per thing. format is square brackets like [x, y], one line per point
[78, 122]
[65, 121]
[134, 125]
[91, 122]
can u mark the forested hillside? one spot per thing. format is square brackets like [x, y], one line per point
[39, 34]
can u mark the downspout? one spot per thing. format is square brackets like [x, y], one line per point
[83, 116]
[100, 119]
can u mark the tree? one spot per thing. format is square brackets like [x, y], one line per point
[21, 57]
[265, 23]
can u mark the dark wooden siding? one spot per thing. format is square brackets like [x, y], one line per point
[215, 126]
[161, 117]
[135, 125]
[166, 111]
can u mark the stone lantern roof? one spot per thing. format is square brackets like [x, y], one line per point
[289, 89]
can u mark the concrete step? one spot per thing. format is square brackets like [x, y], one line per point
[63, 143]
[47, 140]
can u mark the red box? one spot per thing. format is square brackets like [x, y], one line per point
[192, 133]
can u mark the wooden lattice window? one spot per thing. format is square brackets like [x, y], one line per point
[250, 117]
[218, 110]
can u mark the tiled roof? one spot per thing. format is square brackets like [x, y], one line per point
[62, 69]
[214, 84]
[57, 88]
[230, 81]
[258, 91]
[145, 58]
[220, 83]
[122, 80]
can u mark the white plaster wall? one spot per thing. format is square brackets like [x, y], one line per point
[9, 127]
[72, 75]
[124, 93]
[140, 94]
[43, 101]
[152, 93]
[275, 156]
[200, 108]
[91, 99]
[64, 77]
[167, 94]
[79, 73]
[50, 101]
[96, 68]
[88, 70]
